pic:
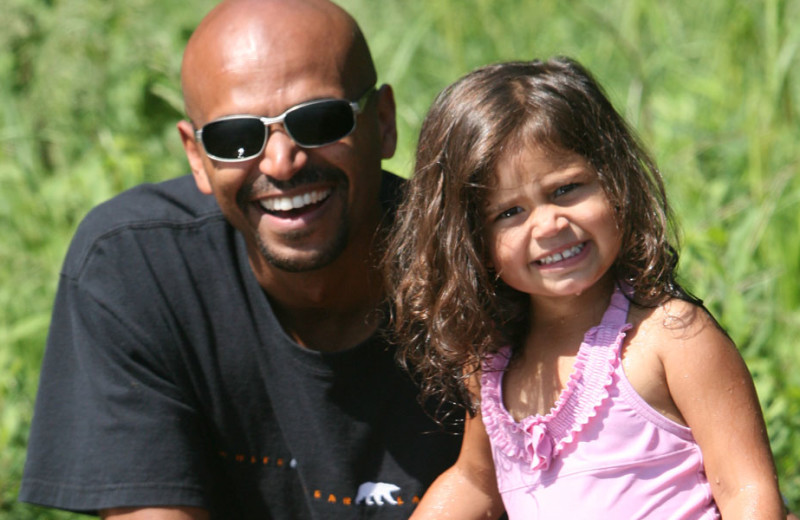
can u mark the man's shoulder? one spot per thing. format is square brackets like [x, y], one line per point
[174, 201]
[169, 205]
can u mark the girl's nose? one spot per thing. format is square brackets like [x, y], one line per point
[548, 222]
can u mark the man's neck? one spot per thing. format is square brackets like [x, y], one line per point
[329, 309]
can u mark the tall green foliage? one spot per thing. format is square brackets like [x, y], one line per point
[90, 98]
[90, 95]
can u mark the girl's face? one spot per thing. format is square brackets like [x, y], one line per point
[550, 229]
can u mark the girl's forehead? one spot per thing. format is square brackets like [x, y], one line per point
[524, 164]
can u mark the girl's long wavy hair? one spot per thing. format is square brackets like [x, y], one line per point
[449, 309]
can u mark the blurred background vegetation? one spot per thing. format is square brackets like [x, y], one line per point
[89, 97]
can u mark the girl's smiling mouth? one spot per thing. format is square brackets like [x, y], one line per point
[562, 255]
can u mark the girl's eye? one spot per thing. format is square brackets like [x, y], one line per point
[563, 190]
[509, 212]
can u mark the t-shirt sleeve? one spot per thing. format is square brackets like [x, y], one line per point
[114, 423]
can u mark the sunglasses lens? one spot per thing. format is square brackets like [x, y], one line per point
[320, 123]
[236, 138]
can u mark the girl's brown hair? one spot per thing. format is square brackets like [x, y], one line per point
[449, 309]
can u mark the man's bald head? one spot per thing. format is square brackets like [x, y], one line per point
[288, 37]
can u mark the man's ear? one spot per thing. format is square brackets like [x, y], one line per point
[387, 121]
[195, 156]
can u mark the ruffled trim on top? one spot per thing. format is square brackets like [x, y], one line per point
[537, 439]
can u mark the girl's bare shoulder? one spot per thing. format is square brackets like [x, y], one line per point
[676, 323]
[671, 344]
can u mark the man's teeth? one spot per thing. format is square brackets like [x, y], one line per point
[296, 202]
[563, 255]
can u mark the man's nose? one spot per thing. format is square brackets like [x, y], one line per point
[282, 157]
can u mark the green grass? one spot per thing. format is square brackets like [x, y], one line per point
[90, 96]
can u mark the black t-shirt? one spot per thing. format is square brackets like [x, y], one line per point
[167, 380]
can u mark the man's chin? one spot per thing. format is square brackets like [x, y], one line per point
[298, 264]
[303, 261]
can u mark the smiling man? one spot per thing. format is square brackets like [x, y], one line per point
[215, 349]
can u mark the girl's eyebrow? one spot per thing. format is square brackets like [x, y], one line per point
[569, 168]
[491, 207]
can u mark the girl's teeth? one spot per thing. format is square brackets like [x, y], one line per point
[557, 257]
[296, 202]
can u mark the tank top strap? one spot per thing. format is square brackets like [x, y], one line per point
[614, 318]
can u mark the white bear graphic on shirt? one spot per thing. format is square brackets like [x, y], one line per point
[376, 493]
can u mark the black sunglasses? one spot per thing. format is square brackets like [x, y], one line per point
[311, 124]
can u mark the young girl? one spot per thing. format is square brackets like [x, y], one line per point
[533, 280]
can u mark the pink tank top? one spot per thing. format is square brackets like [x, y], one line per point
[602, 451]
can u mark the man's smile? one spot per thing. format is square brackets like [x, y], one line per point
[284, 203]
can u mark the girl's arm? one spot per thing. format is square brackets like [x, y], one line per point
[468, 490]
[714, 392]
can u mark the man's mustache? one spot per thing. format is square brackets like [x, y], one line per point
[308, 175]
